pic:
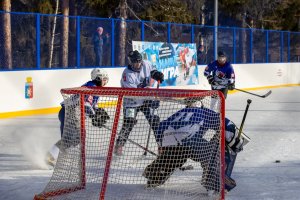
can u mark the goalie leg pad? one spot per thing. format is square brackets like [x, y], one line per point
[160, 170]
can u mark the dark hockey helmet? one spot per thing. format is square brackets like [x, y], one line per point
[221, 54]
[135, 56]
[222, 57]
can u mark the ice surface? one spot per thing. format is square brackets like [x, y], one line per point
[273, 124]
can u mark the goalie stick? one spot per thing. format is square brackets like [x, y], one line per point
[261, 96]
[233, 154]
[183, 168]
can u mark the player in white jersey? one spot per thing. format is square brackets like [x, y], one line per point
[137, 74]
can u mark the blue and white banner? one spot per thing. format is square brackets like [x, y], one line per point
[177, 61]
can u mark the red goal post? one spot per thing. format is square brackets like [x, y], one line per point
[87, 167]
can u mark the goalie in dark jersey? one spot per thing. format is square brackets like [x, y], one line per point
[181, 137]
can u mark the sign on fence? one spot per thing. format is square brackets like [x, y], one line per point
[178, 61]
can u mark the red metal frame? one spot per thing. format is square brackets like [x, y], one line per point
[111, 147]
[133, 92]
[222, 145]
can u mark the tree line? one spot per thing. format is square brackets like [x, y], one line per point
[263, 14]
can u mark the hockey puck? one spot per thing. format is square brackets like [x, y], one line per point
[277, 161]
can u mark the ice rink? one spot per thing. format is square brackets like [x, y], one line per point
[273, 124]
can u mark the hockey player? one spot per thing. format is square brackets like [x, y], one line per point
[99, 78]
[181, 138]
[220, 74]
[137, 74]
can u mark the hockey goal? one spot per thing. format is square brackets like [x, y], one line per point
[87, 167]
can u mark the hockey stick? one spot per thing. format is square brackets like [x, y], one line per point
[183, 168]
[133, 142]
[149, 132]
[244, 117]
[261, 96]
[233, 157]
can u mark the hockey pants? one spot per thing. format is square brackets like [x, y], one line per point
[129, 123]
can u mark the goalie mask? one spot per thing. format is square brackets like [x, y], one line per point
[193, 101]
[100, 76]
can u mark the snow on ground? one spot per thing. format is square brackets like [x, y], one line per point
[273, 124]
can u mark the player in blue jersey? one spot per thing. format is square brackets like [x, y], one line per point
[137, 74]
[181, 137]
[220, 74]
[99, 78]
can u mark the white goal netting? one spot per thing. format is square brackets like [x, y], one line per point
[174, 147]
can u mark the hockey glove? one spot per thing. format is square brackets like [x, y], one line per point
[100, 117]
[156, 75]
[154, 104]
[210, 79]
[231, 86]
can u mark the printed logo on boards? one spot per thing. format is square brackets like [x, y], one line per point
[28, 88]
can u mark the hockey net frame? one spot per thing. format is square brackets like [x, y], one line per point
[52, 191]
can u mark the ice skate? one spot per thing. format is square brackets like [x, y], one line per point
[50, 160]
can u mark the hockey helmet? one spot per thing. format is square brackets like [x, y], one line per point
[135, 57]
[100, 76]
[222, 57]
[193, 101]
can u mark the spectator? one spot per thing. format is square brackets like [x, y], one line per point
[99, 40]
[201, 55]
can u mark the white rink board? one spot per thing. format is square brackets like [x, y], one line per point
[47, 83]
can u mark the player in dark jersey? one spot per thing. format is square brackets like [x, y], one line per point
[99, 78]
[220, 74]
[181, 137]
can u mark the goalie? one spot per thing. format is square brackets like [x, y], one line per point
[181, 137]
[99, 78]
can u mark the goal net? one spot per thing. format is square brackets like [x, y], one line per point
[174, 155]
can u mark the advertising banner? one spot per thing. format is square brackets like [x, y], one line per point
[178, 61]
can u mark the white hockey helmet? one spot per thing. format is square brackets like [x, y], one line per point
[99, 74]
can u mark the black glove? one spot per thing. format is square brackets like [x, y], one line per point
[210, 79]
[154, 104]
[231, 86]
[156, 75]
[100, 117]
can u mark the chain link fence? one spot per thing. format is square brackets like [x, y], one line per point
[40, 41]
